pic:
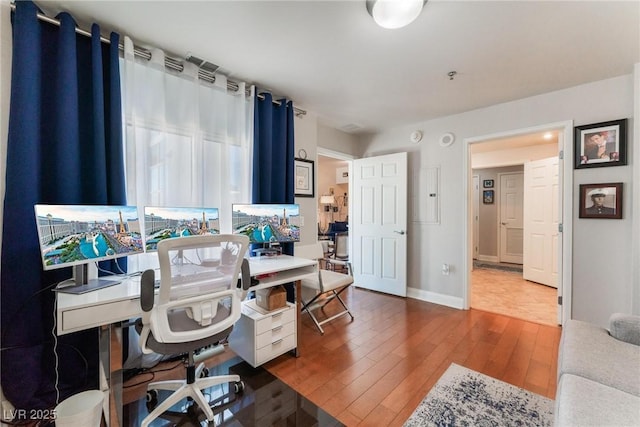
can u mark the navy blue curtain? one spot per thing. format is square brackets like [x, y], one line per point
[273, 151]
[273, 157]
[64, 147]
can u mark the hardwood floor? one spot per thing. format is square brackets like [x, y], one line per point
[506, 292]
[375, 370]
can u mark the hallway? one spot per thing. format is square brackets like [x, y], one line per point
[507, 293]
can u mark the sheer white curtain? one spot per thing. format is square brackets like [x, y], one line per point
[188, 142]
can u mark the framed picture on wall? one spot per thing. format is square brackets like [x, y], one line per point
[601, 200]
[601, 144]
[487, 197]
[487, 183]
[304, 178]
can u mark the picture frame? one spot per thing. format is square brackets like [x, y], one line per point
[487, 197]
[304, 178]
[487, 183]
[601, 144]
[601, 200]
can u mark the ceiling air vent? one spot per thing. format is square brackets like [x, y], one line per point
[204, 65]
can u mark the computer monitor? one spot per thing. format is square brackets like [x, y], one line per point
[267, 223]
[168, 222]
[76, 235]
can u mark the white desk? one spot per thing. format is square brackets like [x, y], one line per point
[106, 308]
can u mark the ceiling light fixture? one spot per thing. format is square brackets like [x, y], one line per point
[394, 13]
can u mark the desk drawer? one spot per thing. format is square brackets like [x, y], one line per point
[275, 334]
[269, 322]
[104, 314]
[275, 349]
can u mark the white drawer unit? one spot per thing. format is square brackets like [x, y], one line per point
[260, 335]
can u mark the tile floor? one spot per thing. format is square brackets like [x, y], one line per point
[506, 292]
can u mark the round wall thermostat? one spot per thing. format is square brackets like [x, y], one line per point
[416, 136]
[447, 139]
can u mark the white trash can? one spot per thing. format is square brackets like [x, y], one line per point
[82, 409]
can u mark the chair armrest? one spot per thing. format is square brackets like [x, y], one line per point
[147, 291]
[625, 327]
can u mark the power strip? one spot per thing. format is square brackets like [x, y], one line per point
[208, 352]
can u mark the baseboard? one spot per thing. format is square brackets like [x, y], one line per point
[435, 298]
[488, 258]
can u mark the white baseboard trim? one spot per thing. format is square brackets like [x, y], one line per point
[440, 299]
[488, 258]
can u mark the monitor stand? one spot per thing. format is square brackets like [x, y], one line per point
[269, 251]
[80, 283]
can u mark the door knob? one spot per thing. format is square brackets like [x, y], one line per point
[504, 223]
[401, 232]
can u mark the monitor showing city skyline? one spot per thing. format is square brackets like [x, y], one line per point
[267, 223]
[78, 234]
[169, 222]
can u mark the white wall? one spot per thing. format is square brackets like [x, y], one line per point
[602, 263]
[513, 156]
[306, 136]
[337, 140]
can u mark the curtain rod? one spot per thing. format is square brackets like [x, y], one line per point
[172, 63]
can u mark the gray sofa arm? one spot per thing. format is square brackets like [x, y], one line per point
[625, 327]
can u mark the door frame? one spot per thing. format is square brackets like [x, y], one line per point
[565, 146]
[476, 217]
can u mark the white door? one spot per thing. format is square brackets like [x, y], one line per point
[379, 223]
[511, 233]
[541, 215]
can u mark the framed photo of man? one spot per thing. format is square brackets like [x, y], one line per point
[601, 200]
[601, 144]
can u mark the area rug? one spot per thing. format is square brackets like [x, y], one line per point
[463, 397]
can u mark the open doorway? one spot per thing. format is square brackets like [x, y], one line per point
[333, 182]
[505, 206]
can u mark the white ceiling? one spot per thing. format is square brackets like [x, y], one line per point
[332, 60]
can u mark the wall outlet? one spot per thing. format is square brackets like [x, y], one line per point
[445, 269]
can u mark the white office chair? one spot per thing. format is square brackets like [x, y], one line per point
[320, 290]
[197, 304]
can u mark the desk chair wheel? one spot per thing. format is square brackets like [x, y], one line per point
[204, 373]
[192, 411]
[238, 387]
[152, 399]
